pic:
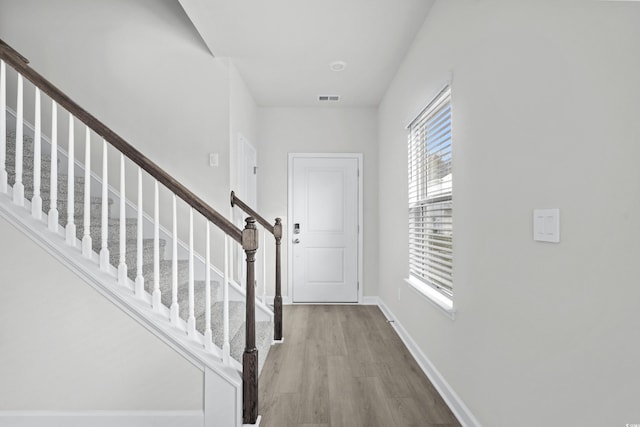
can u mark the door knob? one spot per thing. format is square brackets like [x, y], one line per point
[296, 241]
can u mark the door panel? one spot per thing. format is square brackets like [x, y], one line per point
[325, 215]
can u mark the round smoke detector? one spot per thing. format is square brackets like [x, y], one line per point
[338, 66]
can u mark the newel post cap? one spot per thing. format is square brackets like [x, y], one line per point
[250, 235]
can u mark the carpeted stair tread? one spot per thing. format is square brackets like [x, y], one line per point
[264, 338]
[166, 275]
[236, 320]
[199, 299]
[113, 228]
[131, 255]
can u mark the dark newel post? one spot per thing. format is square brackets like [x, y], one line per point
[250, 356]
[277, 301]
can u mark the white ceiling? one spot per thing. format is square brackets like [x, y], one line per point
[283, 48]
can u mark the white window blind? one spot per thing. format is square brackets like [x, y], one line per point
[431, 195]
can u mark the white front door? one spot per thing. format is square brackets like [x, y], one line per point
[324, 228]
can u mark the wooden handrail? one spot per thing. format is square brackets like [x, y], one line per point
[12, 51]
[20, 64]
[247, 209]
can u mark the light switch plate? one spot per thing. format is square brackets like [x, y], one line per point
[213, 159]
[546, 225]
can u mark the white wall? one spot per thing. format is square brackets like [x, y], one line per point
[318, 130]
[64, 347]
[545, 103]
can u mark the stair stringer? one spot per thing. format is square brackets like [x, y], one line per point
[220, 379]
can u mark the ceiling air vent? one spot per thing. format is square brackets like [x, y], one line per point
[329, 98]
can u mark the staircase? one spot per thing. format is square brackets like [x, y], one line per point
[264, 329]
[190, 304]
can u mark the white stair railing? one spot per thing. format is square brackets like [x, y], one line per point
[36, 199]
[139, 284]
[157, 296]
[191, 320]
[208, 334]
[3, 127]
[122, 265]
[18, 187]
[226, 345]
[175, 307]
[70, 229]
[87, 244]
[53, 182]
[104, 220]
[264, 266]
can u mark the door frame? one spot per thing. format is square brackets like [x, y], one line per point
[360, 251]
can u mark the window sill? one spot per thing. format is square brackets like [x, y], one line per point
[442, 302]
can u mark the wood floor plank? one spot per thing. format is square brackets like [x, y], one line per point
[376, 411]
[407, 412]
[334, 338]
[345, 407]
[314, 390]
[344, 366]
[283, 412]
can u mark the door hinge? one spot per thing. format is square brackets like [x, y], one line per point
[358, 173]
[255, 170]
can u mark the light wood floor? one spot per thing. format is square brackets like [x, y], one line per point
[344, 366]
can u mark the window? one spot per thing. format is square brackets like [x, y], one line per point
[431, 197]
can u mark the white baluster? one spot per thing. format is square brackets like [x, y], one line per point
[36, 200]
[175, 306]
[208, 334]
[70, 229]
[3, 127]
[226, 347]
[264, 266]
[53, 186]
[87, 243]
[122, 266]
[139, 277]
[157, 296]
[191, 321]
[18, 187]
[230, 254]
[104, 251]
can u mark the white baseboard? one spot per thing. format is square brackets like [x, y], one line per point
[370, 300]
[101, 418]
[459, 409]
